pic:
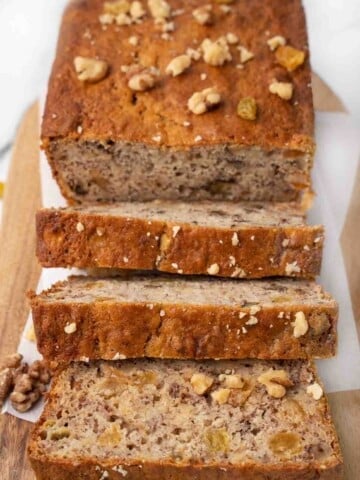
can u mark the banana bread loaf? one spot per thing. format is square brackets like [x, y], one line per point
[158, 420]
[178, 99]
[212, 238]
[169, 317]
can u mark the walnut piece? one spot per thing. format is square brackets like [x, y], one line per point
[201, 383]
[247, 108]
[234, 381]
[216, 53]
[90, 70]
[117, 7]
[159, 9]
[6, 383]
[289, 57]
[11, 361]
[201, 102]
[137, 10]
[203, 15]
[29, 385]
[282, 89]
[275, 42]
[221, 395]
[178, 65]
[300, 325]
[217, 440]
[142, 81]
[315, 391]
[285, 444]
[275, 382]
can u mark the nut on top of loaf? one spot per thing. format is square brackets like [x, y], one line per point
[122, 62]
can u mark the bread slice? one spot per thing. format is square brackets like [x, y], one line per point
[167, 317]
[224, 239]
[107, 142]
[186, 420]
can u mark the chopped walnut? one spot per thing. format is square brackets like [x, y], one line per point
[300, 325]
[275, 42]
[221, 396]
[213, 269]
[232, 39]
[11, 361]
[117, 7]
[247, 108]
[90, 70]
[292, 268]
[315, 391]
[234, 381]
[178, 65]
[142, 81]
[283, 89]
[216, 53]
[289, 57]
[193, 54]
[245, 54]
[201, 383]
[275, 382]
[123, 19]
[29, 385]
[6, 383]
[137, 11]
[203, 15]
[201, 102]
[159, 9]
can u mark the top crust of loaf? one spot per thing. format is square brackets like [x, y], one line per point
[109, 110]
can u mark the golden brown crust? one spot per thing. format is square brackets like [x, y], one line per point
[106, 328]
[137, 245]
[107, 110]
[46, 469]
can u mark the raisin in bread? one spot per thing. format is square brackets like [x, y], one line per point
[235, 123]
[167, 317]
[220, 239]
[186, 420]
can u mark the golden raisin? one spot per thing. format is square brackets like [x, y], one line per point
[289, 57]
[247, 108]
[217, 440]
[285, 444]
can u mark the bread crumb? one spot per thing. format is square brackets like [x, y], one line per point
[70, 328]
[213, 269]
[186, 123]
[198, 138]
[243, 329]
[120, 470]
[99, 232]
[126, 260]
[252, 237]
[315, 391]
[203, 76]
[306, 247]
[175, 266]
[157, 138]
[317, 240]
[80, 227]
[232, 261]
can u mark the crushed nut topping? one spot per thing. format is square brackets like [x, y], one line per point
[116, 7]
[90, 70]
[70, 328]
[193, 54]
[283, 89]
[247, 108]
[221, 396]
[275, 382]
[234, 381]
[315, 391]
[137, 11]
[80, 227]
[285, 242]
[201, 383]
[238, 273]
[232, 39]
[178, 65]
[289, 57]
[176, 229]
[300, 325]
[252, 321]
[201, 102]
[235, 240]
[213, 269]
[292, 268]
[245, 54]
[203, 15]
[142, 80]
[216, 53]
[159, 9]
[275, 42]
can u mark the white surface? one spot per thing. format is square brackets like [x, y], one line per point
[335, 167]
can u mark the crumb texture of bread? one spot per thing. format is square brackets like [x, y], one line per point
[91, 132]
[223, 239]
[167, 317]
[144, 419]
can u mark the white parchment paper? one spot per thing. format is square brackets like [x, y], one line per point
[336, 162]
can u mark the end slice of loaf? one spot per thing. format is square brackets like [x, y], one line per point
[222, 239]
[173, 317]
[186, 421]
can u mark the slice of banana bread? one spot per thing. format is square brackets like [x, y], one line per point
[158, 420]
[178, 99]
[171, 317]
[221, 238]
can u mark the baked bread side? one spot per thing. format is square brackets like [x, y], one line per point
[253, 139]
[223, 420]
[226, 239]
[167, 317]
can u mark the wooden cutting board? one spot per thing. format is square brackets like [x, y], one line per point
[20, 272]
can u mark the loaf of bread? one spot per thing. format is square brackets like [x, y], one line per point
[167, 317]
[221, 239]
[179, 100]
[157, 420]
